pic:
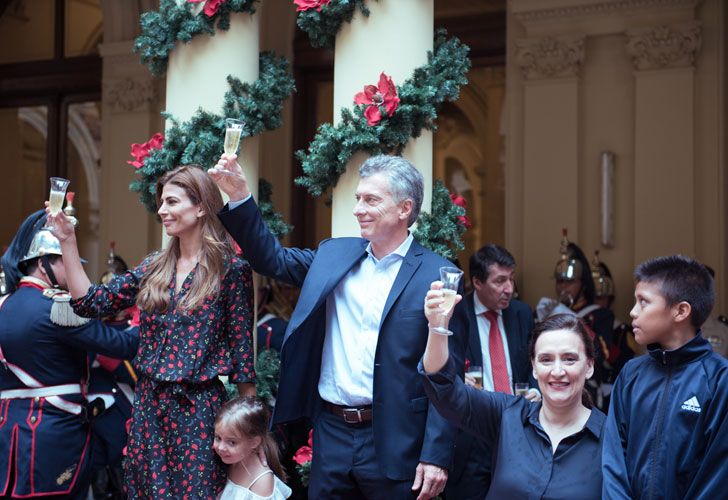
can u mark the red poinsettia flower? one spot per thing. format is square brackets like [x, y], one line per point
[211, 6]
[460, 201]
[305, 453]
[302, 5]
[384, 94]
[141, 151]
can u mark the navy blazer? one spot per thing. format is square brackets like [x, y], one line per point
[407, 428]
[518, 323]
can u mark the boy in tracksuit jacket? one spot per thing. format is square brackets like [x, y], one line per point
[666, 434]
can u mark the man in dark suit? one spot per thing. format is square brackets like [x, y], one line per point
[499, 328]
[350, 354]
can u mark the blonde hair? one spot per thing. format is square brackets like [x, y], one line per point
[215, 253]
[249, 417]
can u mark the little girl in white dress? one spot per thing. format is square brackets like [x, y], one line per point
[241, 439]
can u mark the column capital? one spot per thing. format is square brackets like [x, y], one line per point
[130, 94]
[663, 46]
[550, 57]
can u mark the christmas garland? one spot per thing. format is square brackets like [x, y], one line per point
[419, 99]
[175, 22]
[442, 229]
[273, 219]
[267, 375]
[322, 19]
[200, 140]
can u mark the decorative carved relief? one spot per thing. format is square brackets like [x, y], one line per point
[129, 94]
[550, 57]
[660, 47]
[600, 9]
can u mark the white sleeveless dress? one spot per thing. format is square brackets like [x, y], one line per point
[234, 491]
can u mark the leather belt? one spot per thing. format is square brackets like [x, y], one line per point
[351, 414]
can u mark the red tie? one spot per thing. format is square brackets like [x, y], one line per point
[501, 383]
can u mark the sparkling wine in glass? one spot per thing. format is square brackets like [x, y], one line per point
[58, 194]
[450, 278]
[233, 131]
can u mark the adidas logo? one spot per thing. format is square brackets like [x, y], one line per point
[692, 405]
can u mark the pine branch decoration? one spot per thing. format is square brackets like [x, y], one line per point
[199, 141]
[420, 98]
[175, 22]
[440, 230]
[322, 26]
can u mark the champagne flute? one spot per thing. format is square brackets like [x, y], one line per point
[450, 278]
[233, 131]
[57, 195]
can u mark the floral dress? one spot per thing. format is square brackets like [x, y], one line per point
[181, 353]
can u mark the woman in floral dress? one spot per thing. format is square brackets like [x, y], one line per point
[196, 323]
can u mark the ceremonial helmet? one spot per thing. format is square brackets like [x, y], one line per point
[603, 282]
[43, 243]
[568, 267]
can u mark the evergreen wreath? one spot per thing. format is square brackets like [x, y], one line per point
[323, 25]
[442, 229]
[267, 375]
[200, 140]
[175, 22]
[419, 99]
[273, 219]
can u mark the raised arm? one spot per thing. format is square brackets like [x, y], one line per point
[78, 282]
[437, 351]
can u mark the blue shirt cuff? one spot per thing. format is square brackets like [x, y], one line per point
[232, 205]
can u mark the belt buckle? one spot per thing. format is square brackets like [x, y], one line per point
[356, 412]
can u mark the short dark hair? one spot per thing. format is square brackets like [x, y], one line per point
[573, 324]
[681, 279]
[30, 266]
[485, 257]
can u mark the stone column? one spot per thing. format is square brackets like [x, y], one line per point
[550, 68]
[664, 146]
[394, 39]
[130, 113]
[197, 72]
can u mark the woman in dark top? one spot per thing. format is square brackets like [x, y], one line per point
[547, 450]
[196, 323]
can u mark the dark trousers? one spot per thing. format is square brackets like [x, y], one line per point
[471, 479]
[345, 465]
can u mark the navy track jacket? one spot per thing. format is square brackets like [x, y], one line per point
[667, 431]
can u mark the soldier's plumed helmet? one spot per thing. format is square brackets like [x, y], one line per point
[568, 267]
[43, 243]
[603, 282]
[19, 248]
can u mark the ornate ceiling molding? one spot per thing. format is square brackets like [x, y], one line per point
[557, 57]
[600, 9]
[659, 47]
[129, 94]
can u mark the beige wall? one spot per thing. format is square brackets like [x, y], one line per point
[586, 77]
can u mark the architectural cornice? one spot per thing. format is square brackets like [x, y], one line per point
[599, 9]
[127, 94]
[556, 57]
[660, 47]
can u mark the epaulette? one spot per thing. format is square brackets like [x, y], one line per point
[62, 313]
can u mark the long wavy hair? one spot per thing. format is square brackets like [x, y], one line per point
[215, 254]
[249, 417]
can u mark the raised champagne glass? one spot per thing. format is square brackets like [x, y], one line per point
[58, 194]
[450, 278]
[233, 131]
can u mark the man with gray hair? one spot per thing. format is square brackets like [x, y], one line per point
[350, 353]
